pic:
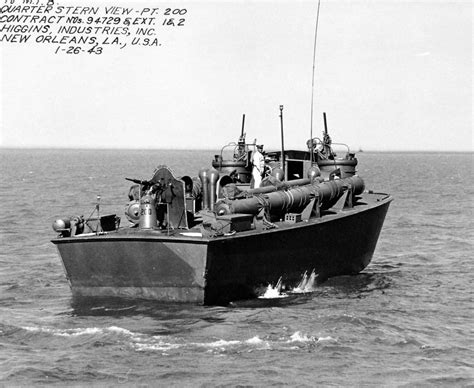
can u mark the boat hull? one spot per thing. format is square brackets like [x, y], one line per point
[341, 244]
[179, 268]
[147, 267]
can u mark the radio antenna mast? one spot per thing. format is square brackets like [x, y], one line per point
[312, 82]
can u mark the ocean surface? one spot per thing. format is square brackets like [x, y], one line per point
[407, 320]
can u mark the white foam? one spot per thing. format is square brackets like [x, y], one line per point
[271, 293]
[78, 331]
[254, 340]
[219, 344]
[298, 337]
[64, 332]
[120, 330]
[160, 346]
[306, 284]
[328, 338]
[274, 292]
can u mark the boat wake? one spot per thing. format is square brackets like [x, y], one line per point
[78, 331]
[306, 285]
[296, 341]
[142, 342]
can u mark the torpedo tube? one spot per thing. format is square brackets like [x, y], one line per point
[293, 199]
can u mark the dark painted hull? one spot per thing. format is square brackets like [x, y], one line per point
[153, 265]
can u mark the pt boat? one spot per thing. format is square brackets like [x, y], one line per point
[218, 237]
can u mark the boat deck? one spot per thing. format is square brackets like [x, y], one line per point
[364, 201]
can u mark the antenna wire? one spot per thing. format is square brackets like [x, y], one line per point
[312, 81]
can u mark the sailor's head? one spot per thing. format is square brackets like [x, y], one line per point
[260, 147]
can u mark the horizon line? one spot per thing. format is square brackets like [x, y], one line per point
[26, 148]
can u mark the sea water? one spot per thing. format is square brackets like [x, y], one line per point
[406, 320]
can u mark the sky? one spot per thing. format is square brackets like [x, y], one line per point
[390, 75]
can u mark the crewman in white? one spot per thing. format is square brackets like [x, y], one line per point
[258, 162]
